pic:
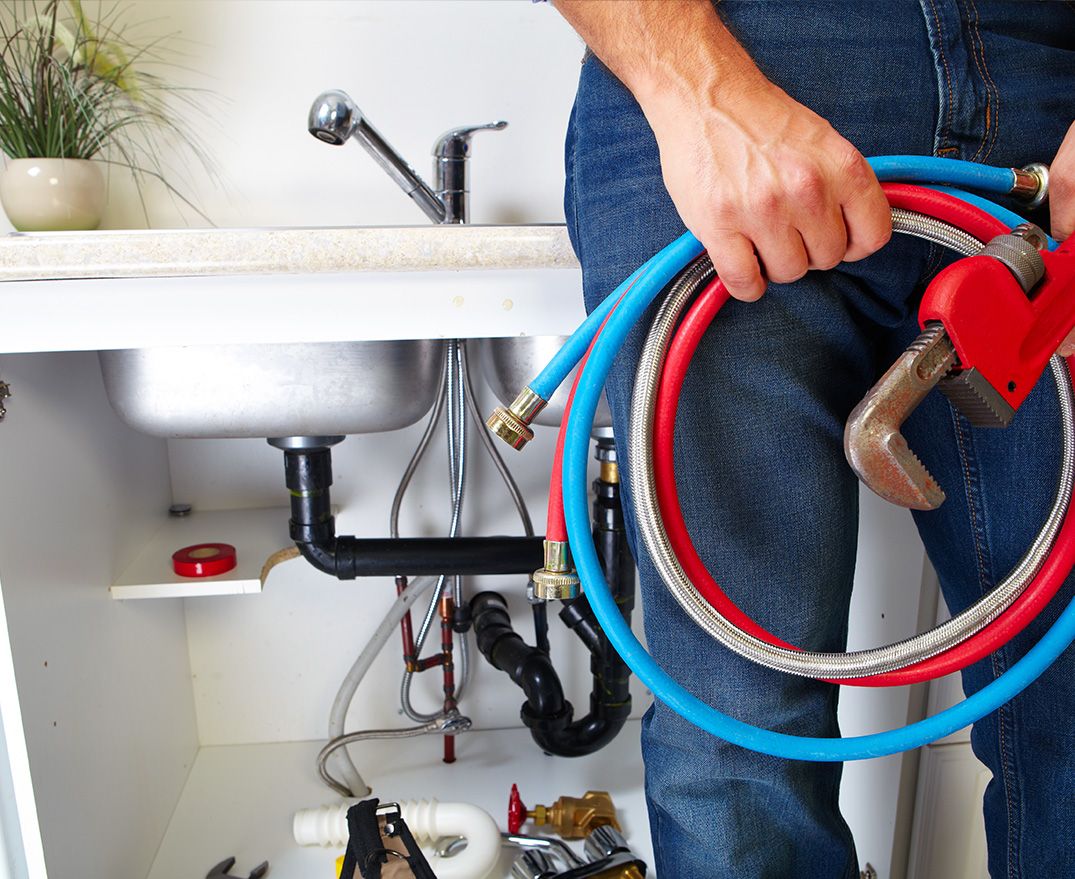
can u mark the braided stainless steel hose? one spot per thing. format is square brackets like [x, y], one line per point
[823, 665]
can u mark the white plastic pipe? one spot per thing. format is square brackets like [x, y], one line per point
[428, 821]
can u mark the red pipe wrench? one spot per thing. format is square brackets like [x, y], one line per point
[990, 324]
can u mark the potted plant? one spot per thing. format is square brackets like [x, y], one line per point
[74, 96]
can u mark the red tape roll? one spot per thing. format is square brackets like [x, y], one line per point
[204, 559]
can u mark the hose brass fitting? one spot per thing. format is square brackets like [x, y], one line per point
[577, 817]
[1031, 184]
[557, 580]
[513, 423]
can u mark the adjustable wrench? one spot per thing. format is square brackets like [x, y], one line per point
[990, 324]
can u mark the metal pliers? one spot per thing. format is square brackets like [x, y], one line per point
[990, 323]
[220, 871]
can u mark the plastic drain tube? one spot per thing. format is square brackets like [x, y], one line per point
[650, 280]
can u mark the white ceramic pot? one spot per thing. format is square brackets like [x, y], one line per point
[48, 195]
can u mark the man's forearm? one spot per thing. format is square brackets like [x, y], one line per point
[671, 48]
[767, 186]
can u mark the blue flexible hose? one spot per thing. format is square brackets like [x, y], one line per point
[572, 351]
[648, 281]
[929, 169]
[922, 169]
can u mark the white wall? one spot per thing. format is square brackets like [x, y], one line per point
[415, 67]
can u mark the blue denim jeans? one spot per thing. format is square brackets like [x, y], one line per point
[766, 491]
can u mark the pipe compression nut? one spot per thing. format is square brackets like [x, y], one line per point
[512, 424]
[557, 580]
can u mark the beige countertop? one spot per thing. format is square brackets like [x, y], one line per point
[203, 252]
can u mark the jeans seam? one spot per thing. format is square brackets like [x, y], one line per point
[573, 181]
[992, 92]
[934, 256]
[964, 442]
[1005, 735]
[941, 136]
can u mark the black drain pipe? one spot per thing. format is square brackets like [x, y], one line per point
[308, 472]
[546, 712]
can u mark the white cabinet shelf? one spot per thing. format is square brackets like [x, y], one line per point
[255, 534]
[239, 800]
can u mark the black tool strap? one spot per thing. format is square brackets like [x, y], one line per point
[419, 865]
[366, 851]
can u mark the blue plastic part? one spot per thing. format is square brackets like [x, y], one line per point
[953, 172]
[669, 262]
[647, 282]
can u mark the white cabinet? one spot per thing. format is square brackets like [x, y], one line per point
[131, 710]
[159, 734]
[949, 834]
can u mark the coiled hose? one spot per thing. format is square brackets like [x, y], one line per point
[618, 315]
[767, 651]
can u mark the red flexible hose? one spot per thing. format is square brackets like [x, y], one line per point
[943, 206]
[689, 334]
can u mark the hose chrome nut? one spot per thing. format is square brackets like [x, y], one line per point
[512, 424]
[556, 581]
[1031, 184]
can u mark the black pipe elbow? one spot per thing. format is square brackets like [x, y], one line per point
[321, 556]
[530, 668]
[308, 473]
[587, 734]
[546, 713]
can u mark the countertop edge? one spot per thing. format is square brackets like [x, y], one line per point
[215, 252]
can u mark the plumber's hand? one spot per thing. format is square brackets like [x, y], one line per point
[767, 185]
[764, 183]
[1062, 205]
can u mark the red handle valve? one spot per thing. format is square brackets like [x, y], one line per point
[516, 810]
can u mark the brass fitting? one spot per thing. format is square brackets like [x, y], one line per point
[513, 423]
[577, 817]
[609, 472]
[557, 580]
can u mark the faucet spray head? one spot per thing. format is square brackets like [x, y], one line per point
[334, 117]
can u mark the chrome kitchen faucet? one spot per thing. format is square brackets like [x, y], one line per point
[335, 119]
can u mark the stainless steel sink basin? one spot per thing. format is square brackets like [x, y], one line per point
[509, 363]
[315, 389]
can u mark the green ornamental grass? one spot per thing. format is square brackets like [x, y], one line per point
[76, 87]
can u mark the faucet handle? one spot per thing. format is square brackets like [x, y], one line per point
[455, 143]
[450, 182]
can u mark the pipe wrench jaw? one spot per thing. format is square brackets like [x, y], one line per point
[990, 324]
[873, 444]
